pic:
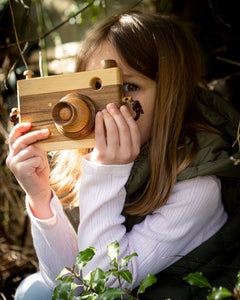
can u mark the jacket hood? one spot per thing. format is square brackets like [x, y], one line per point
[215, 151]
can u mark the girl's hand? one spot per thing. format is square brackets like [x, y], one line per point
[117, 137]
[30, 166]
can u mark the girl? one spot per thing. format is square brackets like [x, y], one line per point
[151, 184]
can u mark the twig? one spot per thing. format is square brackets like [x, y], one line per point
[53, 29]
[13, 67]
[59, 25]
[136, 4]
[67, 20]
[228, 60]
[16, 35]
[3, 297]
[216, 15]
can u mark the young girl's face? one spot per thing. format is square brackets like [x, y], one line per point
[136, 85]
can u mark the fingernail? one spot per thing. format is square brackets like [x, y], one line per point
[111, 107]
[104, 111]
[45, 131]
[124, 107]
[27, 124]
[99, 114]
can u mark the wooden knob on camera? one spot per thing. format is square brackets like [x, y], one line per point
[74, 116]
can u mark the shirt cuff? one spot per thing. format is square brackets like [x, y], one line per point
[115, 170]
[55, 206]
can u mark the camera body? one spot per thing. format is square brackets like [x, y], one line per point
[66, 105]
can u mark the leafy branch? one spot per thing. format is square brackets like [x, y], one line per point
[198, 279]
[94, 282]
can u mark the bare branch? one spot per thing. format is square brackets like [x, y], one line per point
[50, 31]
[16, 35]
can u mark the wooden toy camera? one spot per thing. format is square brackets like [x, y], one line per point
[66, 104]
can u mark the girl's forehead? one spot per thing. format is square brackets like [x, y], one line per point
[104, 51]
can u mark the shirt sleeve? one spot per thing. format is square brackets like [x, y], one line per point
[55, 242]
[193, 213]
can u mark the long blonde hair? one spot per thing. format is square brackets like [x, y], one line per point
[161, 49]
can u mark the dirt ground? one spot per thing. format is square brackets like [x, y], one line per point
[16, 262]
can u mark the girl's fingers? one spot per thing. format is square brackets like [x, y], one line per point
[117, 137]
[30, 152]
[30, 165]
[28, 139]
[112, 132]
[128, 129]
[122, 126]
[100, 139]
[134, 130]
[18, 131]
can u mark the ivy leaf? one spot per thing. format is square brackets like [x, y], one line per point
[110, 294]
[84, 257]
[219, 293]
[96, 278]
[197, 279]
[126, 275]
[64, 272]
[88, 295]
[145, 283]
[114, 264]
[126, 260]
[237, 286]
[64, 288]
[113, 250]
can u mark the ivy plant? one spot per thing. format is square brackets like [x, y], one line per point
[198, 279]
[94, 283]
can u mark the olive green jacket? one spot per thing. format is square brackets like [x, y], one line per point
[219, 257]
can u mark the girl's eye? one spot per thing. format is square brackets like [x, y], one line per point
[130, 87]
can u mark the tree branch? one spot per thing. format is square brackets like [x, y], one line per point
[47, 33]
[16, 35]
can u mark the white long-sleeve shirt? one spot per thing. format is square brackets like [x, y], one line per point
[193, 213]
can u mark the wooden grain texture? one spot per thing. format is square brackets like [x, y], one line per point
[37, 97]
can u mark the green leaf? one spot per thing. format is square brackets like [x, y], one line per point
[114, 263]
[94, 276]
[71, 296]
[64, 272]
[88, 295]
[96, 279]
[110, 294]
[145, 283]
[219, 293]
[126, 275]
[237, 286]
[197, 279]
[113, 250]
[64, 288]
[84, 257]
[126, 260]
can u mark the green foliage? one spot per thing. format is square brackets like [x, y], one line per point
[3, 3]
[199, 280]
[94, 10]
[148, 281]
[94, 282]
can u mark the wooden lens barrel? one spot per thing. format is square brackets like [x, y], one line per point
[74, 115]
